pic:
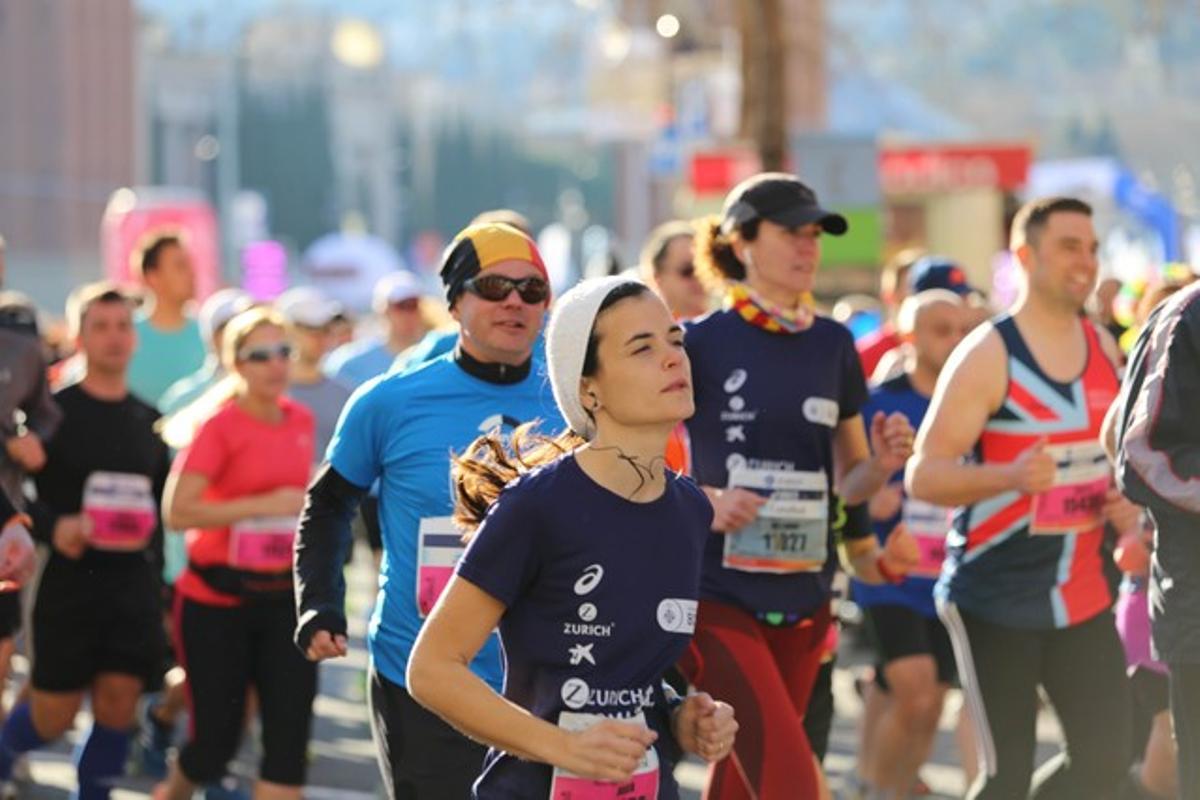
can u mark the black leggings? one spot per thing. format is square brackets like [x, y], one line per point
[420, 756]
[1082, 669]
[227, 650]
[1185, 717]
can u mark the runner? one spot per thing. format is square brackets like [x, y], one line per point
[405, 316]
[668, 265]
[1154, 434]
[915, 661]
[309, 314]
[96, 615]
[590, 565]
[1026, 592]
[400, 430]
[170, 346]
[161, 712]
[1153, 773]
[28, 417]
[237, 488]
[777, 425]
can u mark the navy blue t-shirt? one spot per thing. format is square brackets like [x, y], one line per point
[600, 595]
[916, 591]
[767, 408]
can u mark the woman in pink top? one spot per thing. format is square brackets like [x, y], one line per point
[237, 488]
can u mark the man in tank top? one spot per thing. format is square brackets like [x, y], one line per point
[1026, 590]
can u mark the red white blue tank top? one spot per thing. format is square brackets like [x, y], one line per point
[1039, 561]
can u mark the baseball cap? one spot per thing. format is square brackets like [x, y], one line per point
[395, 287]
[780, 198]
[306, 306]
[938, 272]
[220, 307]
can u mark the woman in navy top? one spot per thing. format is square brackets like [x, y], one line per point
[777, 428]
[589, 563]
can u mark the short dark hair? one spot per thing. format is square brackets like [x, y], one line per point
[1031, 219]
[82, 299]
[153, 252]
[654, 252]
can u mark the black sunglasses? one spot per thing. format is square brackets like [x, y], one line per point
[497, 287]
[261, 355]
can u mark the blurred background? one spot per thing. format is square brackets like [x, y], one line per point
[330, 141]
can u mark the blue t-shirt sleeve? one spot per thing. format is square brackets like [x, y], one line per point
[357, 443]
[502, 558]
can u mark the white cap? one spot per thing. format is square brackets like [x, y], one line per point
[567, 335]
[395, 287]
[220, 307]
[306, 306]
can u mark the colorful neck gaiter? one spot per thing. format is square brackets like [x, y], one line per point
[766, 315]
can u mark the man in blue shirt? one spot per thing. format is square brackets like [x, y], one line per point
[398, 302]
[915, 662]
[400, 430]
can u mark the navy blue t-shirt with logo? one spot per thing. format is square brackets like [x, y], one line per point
[767, 408]
[600, 595]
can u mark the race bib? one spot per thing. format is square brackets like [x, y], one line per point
[122, 510]
[439, 547]
[791, 532]
[928, 525]
[1075, 503]
[262, 544]
[642, 786]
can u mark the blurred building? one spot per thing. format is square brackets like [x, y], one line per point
[67, 129]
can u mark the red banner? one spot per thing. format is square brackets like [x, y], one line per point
[923, 169]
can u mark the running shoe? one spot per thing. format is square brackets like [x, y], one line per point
[154, 739]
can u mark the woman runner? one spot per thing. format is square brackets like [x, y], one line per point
[589, 562]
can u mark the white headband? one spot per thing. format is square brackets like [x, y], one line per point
[567, 336]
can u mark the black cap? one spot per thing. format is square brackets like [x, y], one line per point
[782, 199]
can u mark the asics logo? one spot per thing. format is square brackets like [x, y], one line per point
[589, 580]
[736, 380]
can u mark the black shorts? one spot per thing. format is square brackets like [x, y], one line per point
[900, 632]
[96, 615]
[10, 614]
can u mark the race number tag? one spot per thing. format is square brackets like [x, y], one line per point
[642, 786]
[791, 532]
[439, 547]
[122, 510]
[928, 524]
[262, 544]
[1075, 503]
